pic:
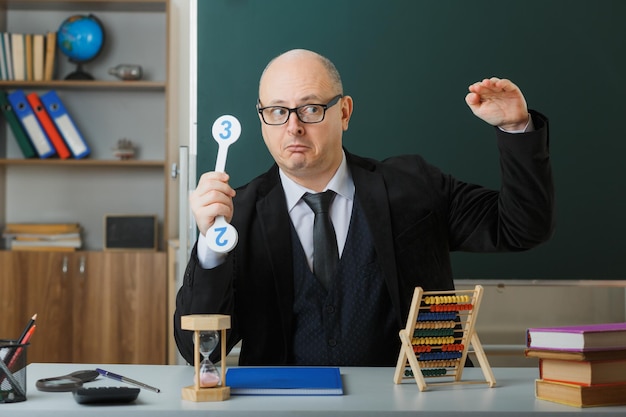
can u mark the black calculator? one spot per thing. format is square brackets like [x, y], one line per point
[105, 395]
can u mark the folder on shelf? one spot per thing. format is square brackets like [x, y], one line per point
[8, 55]
[28, 120]
[48, 126]
[64, 123]
[18, 131]
[18, 50]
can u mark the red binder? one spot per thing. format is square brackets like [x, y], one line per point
[48, 126]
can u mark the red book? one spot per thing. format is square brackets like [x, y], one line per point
[48, 126]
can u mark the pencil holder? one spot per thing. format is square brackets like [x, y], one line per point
[12, 371]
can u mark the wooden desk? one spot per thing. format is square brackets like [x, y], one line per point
[368, 392]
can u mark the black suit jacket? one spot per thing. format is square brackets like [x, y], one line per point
[417, 216]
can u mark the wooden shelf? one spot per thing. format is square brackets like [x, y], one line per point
[83, 162]
[93, 5]
[85, 85]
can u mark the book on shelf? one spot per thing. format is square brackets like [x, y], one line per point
[580, 395]
[20, 135]
[16, 244]
[50, 56]
[28, 56]
[581, 338]
[18, 52]
[48, 126]
[41, 228]
[583, 372]
[3, 63]
[8, 55]
[38, 56]
[42, 236]
[287, 380]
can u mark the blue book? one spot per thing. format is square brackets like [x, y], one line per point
[286, 380]
[29, 122]
[65, 124]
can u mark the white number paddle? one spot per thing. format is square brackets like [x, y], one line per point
[222, 237]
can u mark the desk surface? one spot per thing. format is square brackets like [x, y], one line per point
[367, 392]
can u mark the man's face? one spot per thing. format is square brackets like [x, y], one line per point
[303, 151]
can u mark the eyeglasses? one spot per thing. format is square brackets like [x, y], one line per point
[307, 113]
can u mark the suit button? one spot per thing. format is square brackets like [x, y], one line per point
[330, 309]
[332, 342]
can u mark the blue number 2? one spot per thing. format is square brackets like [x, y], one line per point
[227, 126]
[220, 234]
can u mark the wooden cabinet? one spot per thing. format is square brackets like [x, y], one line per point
[92, 307]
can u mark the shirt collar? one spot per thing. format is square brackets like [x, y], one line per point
[341, 183]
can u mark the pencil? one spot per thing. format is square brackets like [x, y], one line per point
[27, 328]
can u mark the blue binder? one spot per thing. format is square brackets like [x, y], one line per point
[64, 123]
[29, 122]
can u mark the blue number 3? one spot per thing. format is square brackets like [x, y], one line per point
[227, 126]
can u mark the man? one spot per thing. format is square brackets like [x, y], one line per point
[395, 222]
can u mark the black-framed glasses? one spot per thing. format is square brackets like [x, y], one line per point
[307, 113]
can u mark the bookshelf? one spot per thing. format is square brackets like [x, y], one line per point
[86, 190]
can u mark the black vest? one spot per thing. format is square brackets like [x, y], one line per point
[352, 324]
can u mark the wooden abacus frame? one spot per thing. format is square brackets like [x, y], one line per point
[430, 345]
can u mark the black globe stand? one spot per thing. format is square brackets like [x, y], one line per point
[79, 74]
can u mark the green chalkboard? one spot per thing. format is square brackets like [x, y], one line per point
[407, 64]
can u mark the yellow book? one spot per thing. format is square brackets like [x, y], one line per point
[28, 56]
[581, 395]
[38, 57]
[51, 46]
[41, 228]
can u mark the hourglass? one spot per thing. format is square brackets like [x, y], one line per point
[209, 330]
[209, 375]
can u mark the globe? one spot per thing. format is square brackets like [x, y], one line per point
[80, 38]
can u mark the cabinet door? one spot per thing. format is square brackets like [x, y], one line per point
[46, 285]
[12, 293]
[120, 308]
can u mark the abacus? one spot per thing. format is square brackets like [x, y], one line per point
[437, 338]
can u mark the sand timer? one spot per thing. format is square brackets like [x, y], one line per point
[209, 330]
[209, 375]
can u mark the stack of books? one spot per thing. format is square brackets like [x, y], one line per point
[43, 236]
[27, 56]
[582, 366]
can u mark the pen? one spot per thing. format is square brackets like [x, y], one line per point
[127, 380]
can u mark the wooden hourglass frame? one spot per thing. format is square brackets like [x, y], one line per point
[198, 323]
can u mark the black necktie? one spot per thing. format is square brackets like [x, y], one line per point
[325, 253]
